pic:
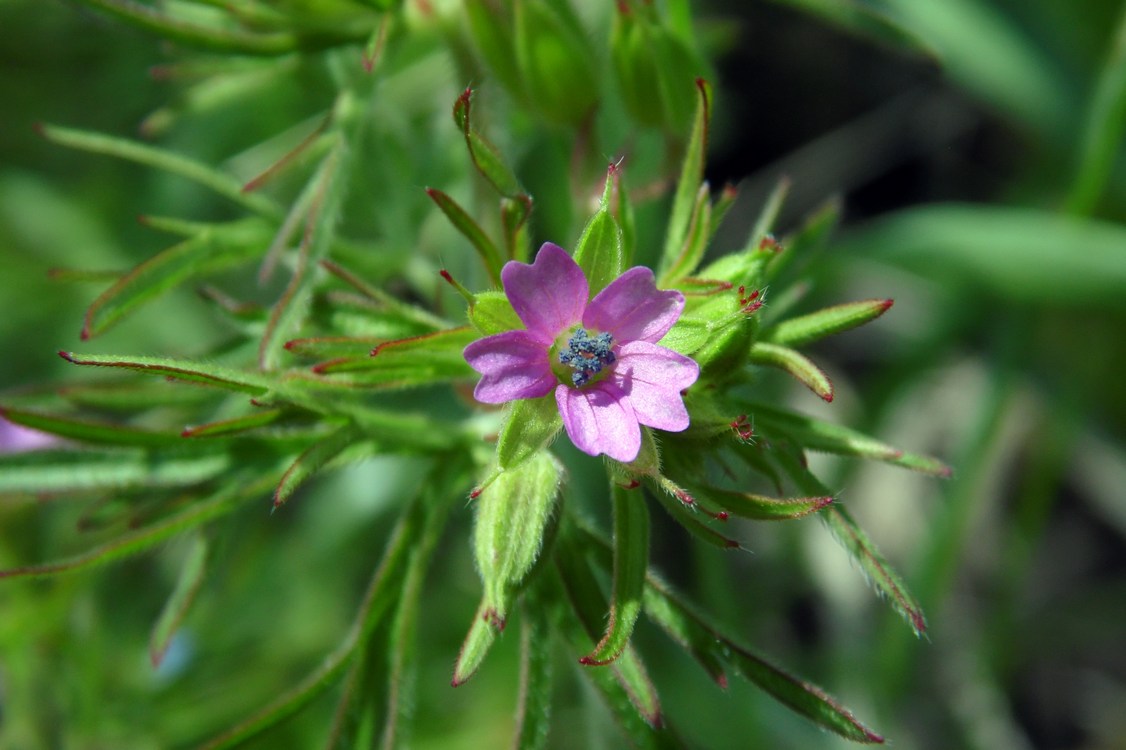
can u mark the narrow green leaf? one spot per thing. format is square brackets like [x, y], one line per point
[797, 364]
[695, 240]
[678, 508]
[132, 394]
[472, 231]
[235, 425]
[815, 326]
[54, 471]
[877, 570]
[530, 427]
[816, 435]
[291, 308]
[151, 156]
[203, 373]
[391, 306]
[486, 158]
[139, 540]
[478, 641]
[193, 569]
[761, 507]
[103, 433]
[631, 563]
[214, 249]
[691, 174]
[313, 460]
[424, 359]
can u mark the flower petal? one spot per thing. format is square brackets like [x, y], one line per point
[631, 308]
[599, 419]
[513, 365]
[549, 295]
[652, 378]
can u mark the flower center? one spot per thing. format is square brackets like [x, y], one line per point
[587, 355]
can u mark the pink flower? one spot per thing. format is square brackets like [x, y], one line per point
[600, 357]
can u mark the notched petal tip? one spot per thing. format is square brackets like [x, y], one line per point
[549, 294]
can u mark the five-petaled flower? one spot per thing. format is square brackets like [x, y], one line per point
[600, 356]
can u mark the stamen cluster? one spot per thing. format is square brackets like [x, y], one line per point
[587, 355]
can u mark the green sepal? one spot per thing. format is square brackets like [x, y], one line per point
[687, 335]
[492, 313]
[599, 250]
[827, 322]
[797, 364]
[530, 427]
[513, 513]
[722, 358]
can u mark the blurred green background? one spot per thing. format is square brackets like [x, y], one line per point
[976, 149]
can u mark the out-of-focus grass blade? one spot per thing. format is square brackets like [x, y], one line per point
[631, 562]
[866, 21]
[139, 540]
[214, 249]
[157, 158]
[1103, 129]
[983, 50]
[313, 460]
[193, 569]
[795, 363]
[815, 435]
[54, 471]
[1024, 254]
[534, 709]
[134, 394]
[103, 433]
[414, 525]
[204, 373]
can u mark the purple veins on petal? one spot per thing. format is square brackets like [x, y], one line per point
[652, 377]
[513, 365]
[549, 295]
[599, 419]
[633, 309]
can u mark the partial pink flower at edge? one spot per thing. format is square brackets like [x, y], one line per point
[641, 382]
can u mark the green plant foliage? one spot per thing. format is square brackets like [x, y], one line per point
[273, 497]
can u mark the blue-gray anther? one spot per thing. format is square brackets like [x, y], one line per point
[587, 355]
